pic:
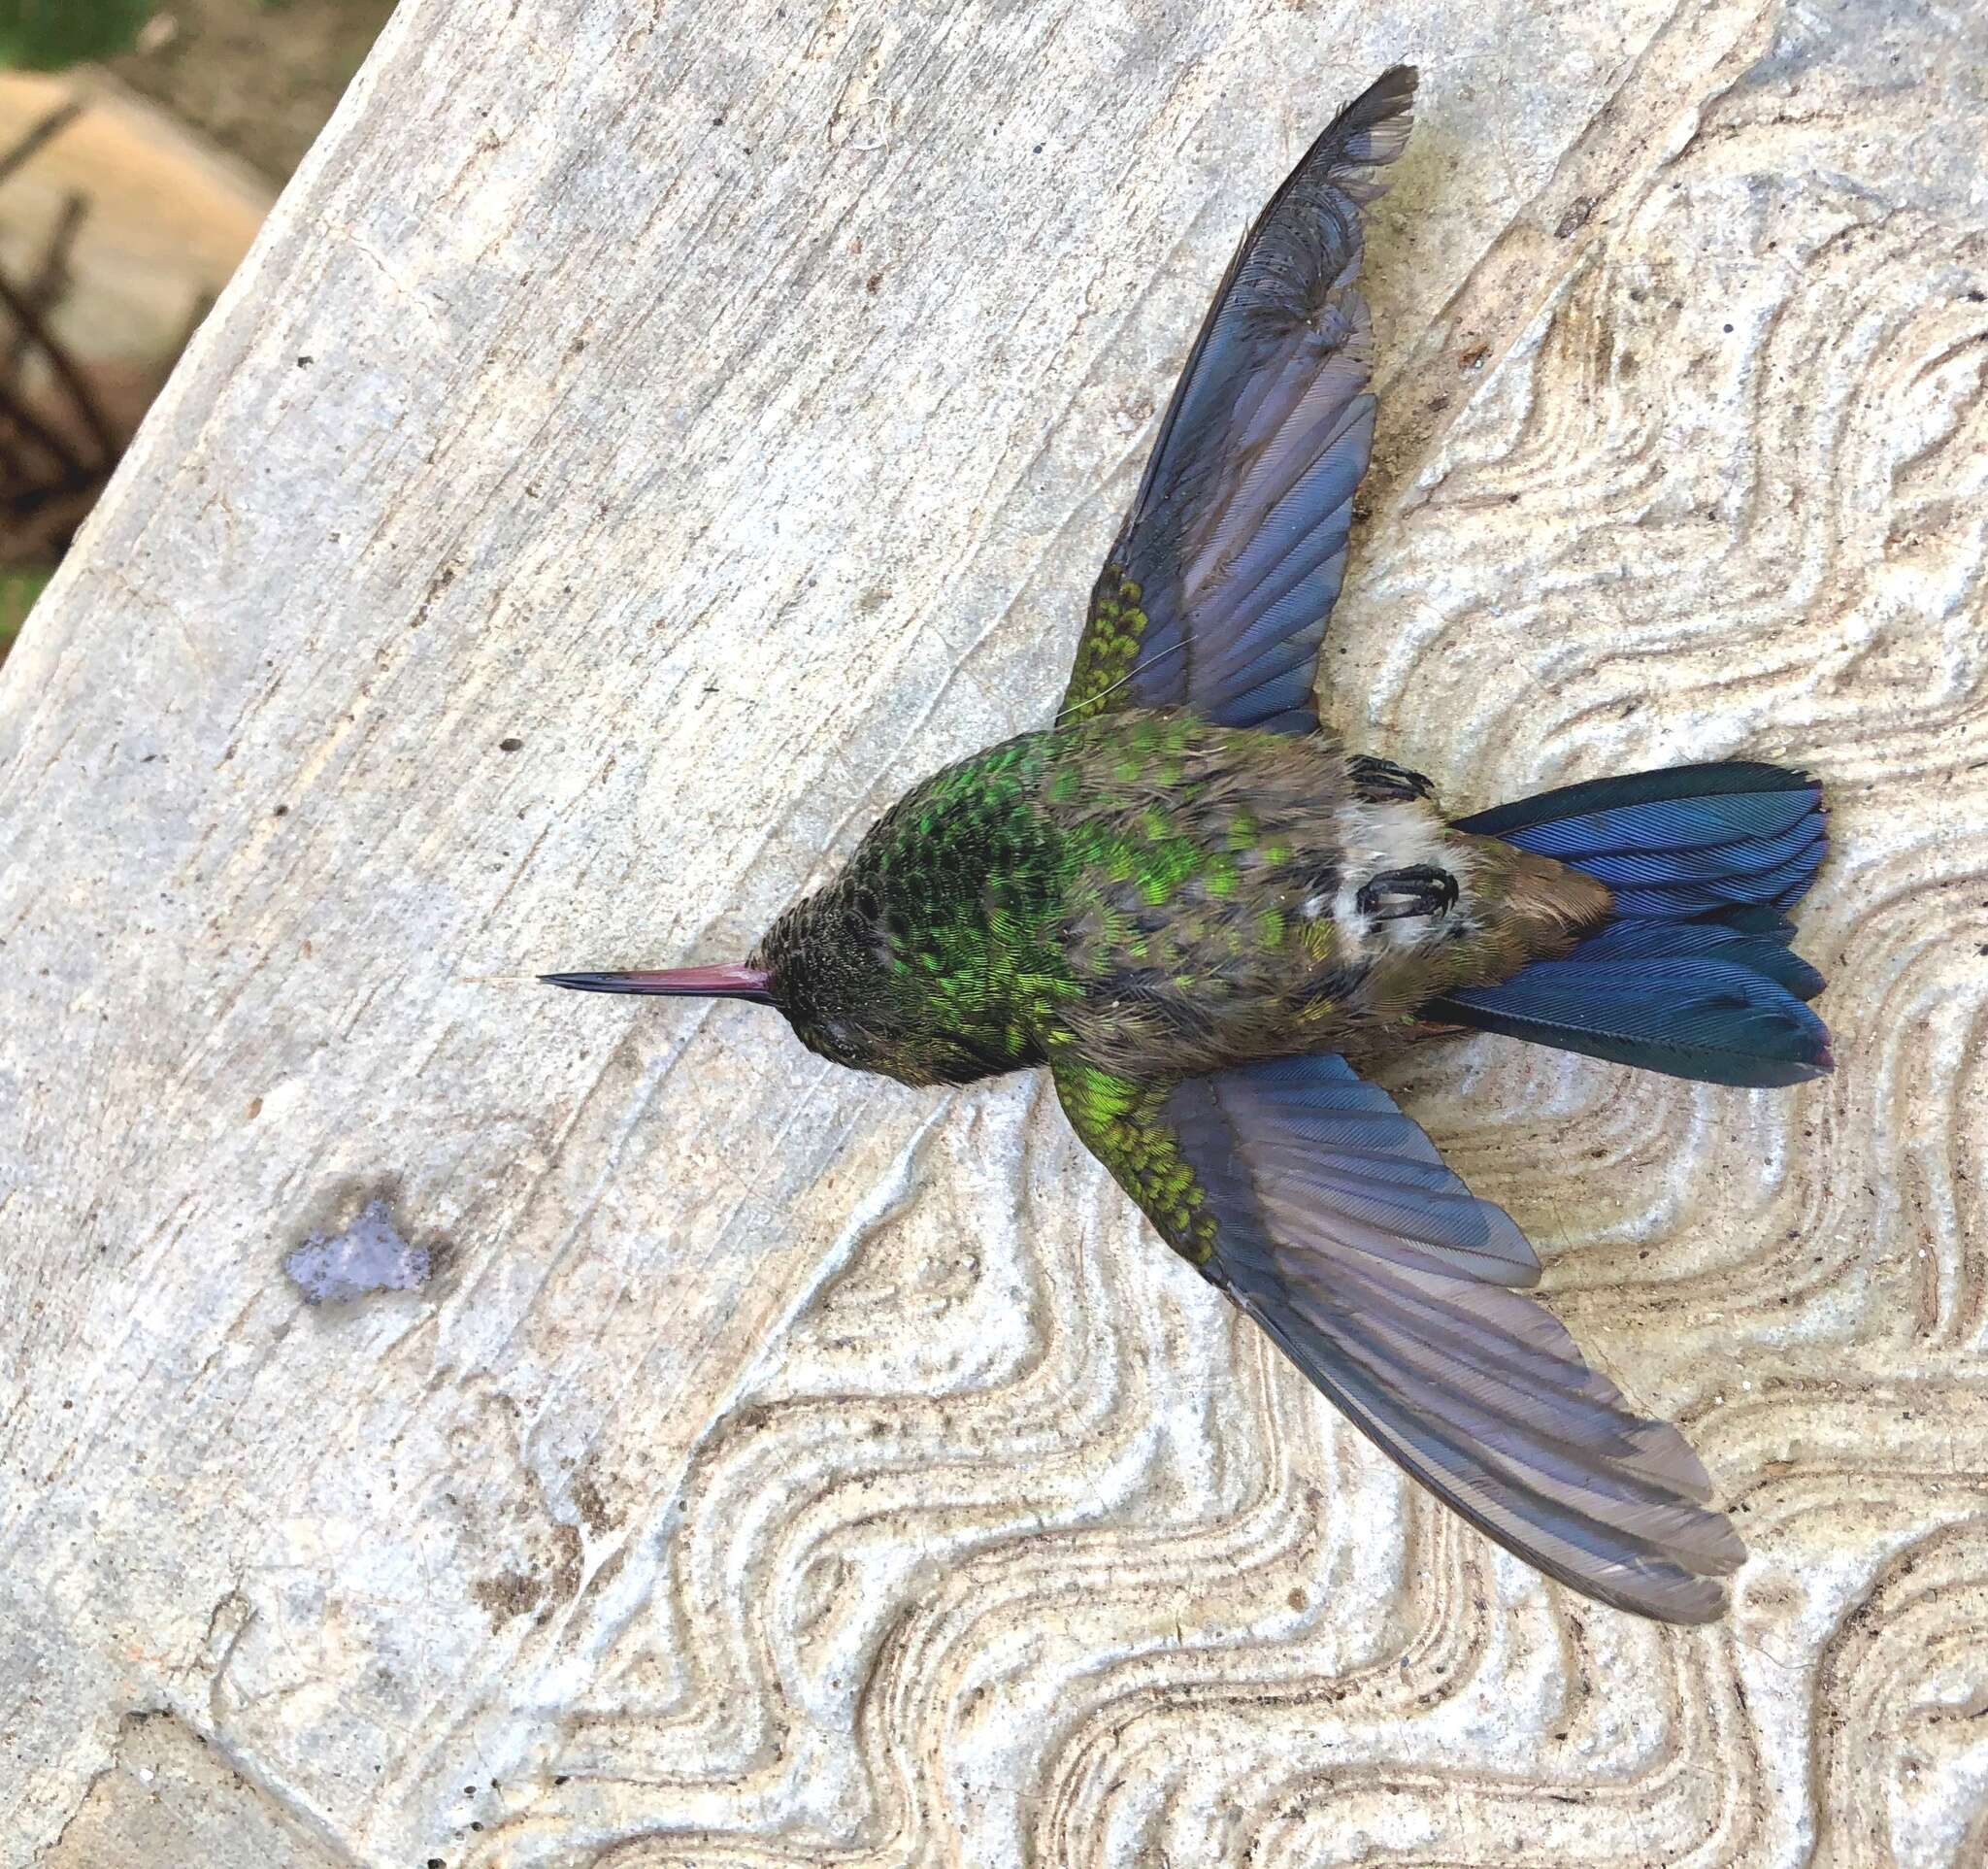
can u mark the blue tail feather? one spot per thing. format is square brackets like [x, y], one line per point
[1710, 805]
[1694, 976]
[1716, 1020]
[1754, 917]
[1645, 938]
[1733, 863]
[1779, 885]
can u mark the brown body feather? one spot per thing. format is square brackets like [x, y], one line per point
[1257, 947]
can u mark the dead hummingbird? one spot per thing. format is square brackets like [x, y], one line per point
[1192, 904]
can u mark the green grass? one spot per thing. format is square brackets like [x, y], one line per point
[45, 35]
[18, 590]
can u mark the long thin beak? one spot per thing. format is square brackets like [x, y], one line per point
[702, 982]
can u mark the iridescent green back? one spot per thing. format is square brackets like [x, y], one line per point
[1100, 888]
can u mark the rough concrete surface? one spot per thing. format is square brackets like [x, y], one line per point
[723, 408]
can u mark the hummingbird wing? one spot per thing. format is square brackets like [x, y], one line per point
[1216, 593]
[1328, 1216]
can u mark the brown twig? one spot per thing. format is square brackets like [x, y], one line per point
[33, 428]
[72, 379]
[40, 531]
[52, 275]
[40, 507]
[49, 128]
[13, 473]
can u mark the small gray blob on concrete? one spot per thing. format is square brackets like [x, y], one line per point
[368, 1256]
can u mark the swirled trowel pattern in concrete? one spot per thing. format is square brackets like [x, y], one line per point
[593, 504]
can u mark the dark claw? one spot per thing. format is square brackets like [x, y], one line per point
[1395, 893]
[1376, 781]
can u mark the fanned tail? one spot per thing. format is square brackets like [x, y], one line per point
[1694, 976]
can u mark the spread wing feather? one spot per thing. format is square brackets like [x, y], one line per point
[1216, 593]
[1328, 1216]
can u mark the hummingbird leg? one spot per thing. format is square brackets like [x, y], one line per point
[1378, 780]
[1397, 893]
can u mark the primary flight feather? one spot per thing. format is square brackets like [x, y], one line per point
[1193, 906]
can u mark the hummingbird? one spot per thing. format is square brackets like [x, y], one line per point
[1207, 917]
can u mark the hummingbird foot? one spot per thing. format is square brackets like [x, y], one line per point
[1396, 894]
[1376, 781]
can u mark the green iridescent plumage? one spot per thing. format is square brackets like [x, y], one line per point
[1190, 903]
[1108, 651]
[1123, 1122]
[1150, 892]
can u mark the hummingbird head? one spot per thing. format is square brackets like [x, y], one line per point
[834, 967]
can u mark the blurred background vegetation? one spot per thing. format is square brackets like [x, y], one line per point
[140, 144]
